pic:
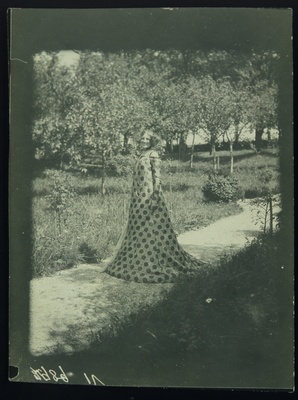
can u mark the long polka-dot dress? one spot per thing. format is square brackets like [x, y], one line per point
[148, 250]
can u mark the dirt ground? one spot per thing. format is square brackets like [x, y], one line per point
[71, 309]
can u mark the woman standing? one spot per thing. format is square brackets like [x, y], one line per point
[148, 250]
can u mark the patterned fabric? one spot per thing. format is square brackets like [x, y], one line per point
[148, 250]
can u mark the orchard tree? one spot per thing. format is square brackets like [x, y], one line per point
[241, 101]
[213, 101]
[131, 77]
[160, 82]
[55, 92]
[258, 72]
[151, 83]
[105, 100]
[255, 67]
[263, 110]
[86, 108]
[99, 130]
[108, 109]
[176, 118]
[193, 105]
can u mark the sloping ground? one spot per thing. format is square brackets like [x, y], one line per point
[71, 309]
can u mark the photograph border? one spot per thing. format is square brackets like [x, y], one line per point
[21, 169]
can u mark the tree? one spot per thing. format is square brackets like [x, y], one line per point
[87, 108]
[176, 118]
[259, 74]
[213, 101]
[55, 92]
[263, 110]
[108, 108]
[240, 101]
[107, 99]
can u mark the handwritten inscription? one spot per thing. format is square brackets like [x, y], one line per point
[42, 374]
[94, 380]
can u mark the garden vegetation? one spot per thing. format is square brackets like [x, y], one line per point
[73, 223]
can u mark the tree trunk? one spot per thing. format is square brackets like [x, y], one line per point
[237, 137]
[59, 222]
[192, 150]
[232, 158]
[236, 133]
[125, 142]
[213, 152]
[61, 164]
[103, 175]
[266, 217]
[271, 216]
[169, 145]
[269, 135]
[210, 150]
[259, 133]
[181, 144]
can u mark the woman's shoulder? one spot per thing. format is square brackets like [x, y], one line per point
[153, 154]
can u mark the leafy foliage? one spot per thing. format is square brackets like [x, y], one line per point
[213, 106]
[105, 100]
[221, 188]
[94, 224]
[120, 165]
[61, 195]
[53, 132]
[88, 253]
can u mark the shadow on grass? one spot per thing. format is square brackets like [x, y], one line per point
[230, 326]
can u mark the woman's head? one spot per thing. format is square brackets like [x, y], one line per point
[149, 140]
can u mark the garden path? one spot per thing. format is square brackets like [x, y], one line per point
[72, 308]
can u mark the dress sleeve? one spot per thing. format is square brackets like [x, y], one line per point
[155, 168]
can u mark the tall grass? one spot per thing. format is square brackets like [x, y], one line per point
[93, 223]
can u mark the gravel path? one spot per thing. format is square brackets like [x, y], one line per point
[224, 236]
[70, 309]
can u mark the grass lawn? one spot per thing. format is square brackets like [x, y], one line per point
[90, 224]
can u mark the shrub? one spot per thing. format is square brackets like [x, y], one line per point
[61, 196]
[221, 188]
[120, 165]
[88, 253]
